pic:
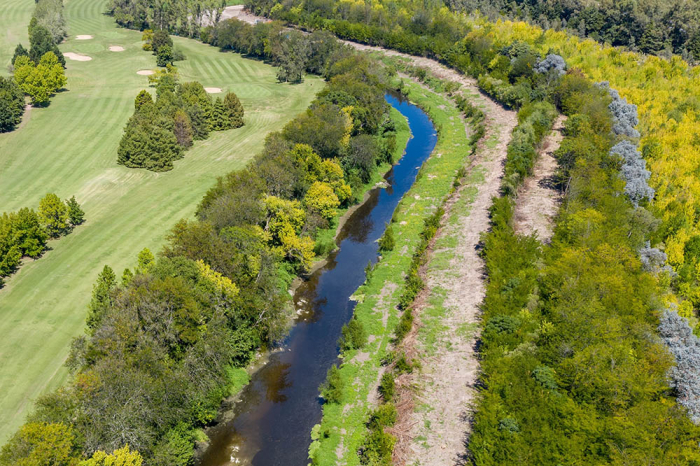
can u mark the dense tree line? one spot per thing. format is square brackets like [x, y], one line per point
[184, 17]
[25, 233]
[571, 403]
[160, 131]
[665, 27]
[164, 340]
[38, 72]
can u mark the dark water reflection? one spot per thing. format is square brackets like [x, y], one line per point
[272, 422]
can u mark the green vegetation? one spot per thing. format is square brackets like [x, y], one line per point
[648, 26]
[220, 282]
[380, 295]
[69, 148]
[158, 132]
[25, 233]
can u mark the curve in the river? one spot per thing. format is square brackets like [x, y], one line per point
[272, 421]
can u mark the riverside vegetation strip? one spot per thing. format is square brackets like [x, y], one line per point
[342, 430]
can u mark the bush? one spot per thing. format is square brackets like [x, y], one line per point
[353, 336]
[387, 241]
[332, 388]
[387, 387]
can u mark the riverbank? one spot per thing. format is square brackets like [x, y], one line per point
[342, 430]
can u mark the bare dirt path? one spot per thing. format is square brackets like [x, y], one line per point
[538, 198]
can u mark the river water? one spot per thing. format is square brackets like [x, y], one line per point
[271, 424]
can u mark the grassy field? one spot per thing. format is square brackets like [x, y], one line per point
[14, 19]
[70, 148]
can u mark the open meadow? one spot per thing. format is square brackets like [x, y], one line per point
[70, 148]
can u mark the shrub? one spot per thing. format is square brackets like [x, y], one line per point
[332, 388]
[387, 241]
[353, 335]
[387, 387]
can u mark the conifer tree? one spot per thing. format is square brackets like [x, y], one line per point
[142, 99]
[20, 51]
[76, 215]
[101, 297]
[219, 117]
[182, 128]
[234, 109]
[53, 214]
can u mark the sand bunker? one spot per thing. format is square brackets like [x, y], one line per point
[213, 90]
[76, 56]
[146, 72]
[116, 48]
[84, 37]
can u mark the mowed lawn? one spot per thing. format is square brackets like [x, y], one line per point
[70, 148]
[14, 19]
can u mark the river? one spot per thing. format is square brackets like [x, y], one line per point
[271, 424]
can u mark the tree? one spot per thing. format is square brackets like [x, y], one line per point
[76, 215]
[182, 128]
[164, 56]
[142, 99]
[53, 214]
[146, 261]
[159, 40]
[20, 51]
[652, 40]
[11, 104]
[234, 109]
[40, 82]
[101, 297]
[120, 457]
[38, 444]
[219, 120]
[321, 199]
[40, 42]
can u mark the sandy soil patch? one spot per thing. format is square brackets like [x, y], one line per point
[213, 90]
[145, 72]
[538, 198]
[76, 56]
[116, 48]
[83, 37]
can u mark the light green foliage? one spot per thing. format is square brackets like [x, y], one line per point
[39, 444]
[120, 457]
[41, 81]
[53, 214]
[146, 261]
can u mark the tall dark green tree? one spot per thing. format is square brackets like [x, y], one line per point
[101, 297]
[76, 215]
[20, 51]
[234, 108]
[40, 42]
[11, 104]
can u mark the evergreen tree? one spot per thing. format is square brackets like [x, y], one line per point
[142, 99]
[76, 215]
[101, 297]
[40, 42]
[652, 40]
[219, 117]
[146, 261]
[182, 128]
[127, 275]
[10, 261]
[161, 149]
[235, 109]
[20, 51]
[11, 104]
[132, 147]
[53, 215]
[199, 121]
